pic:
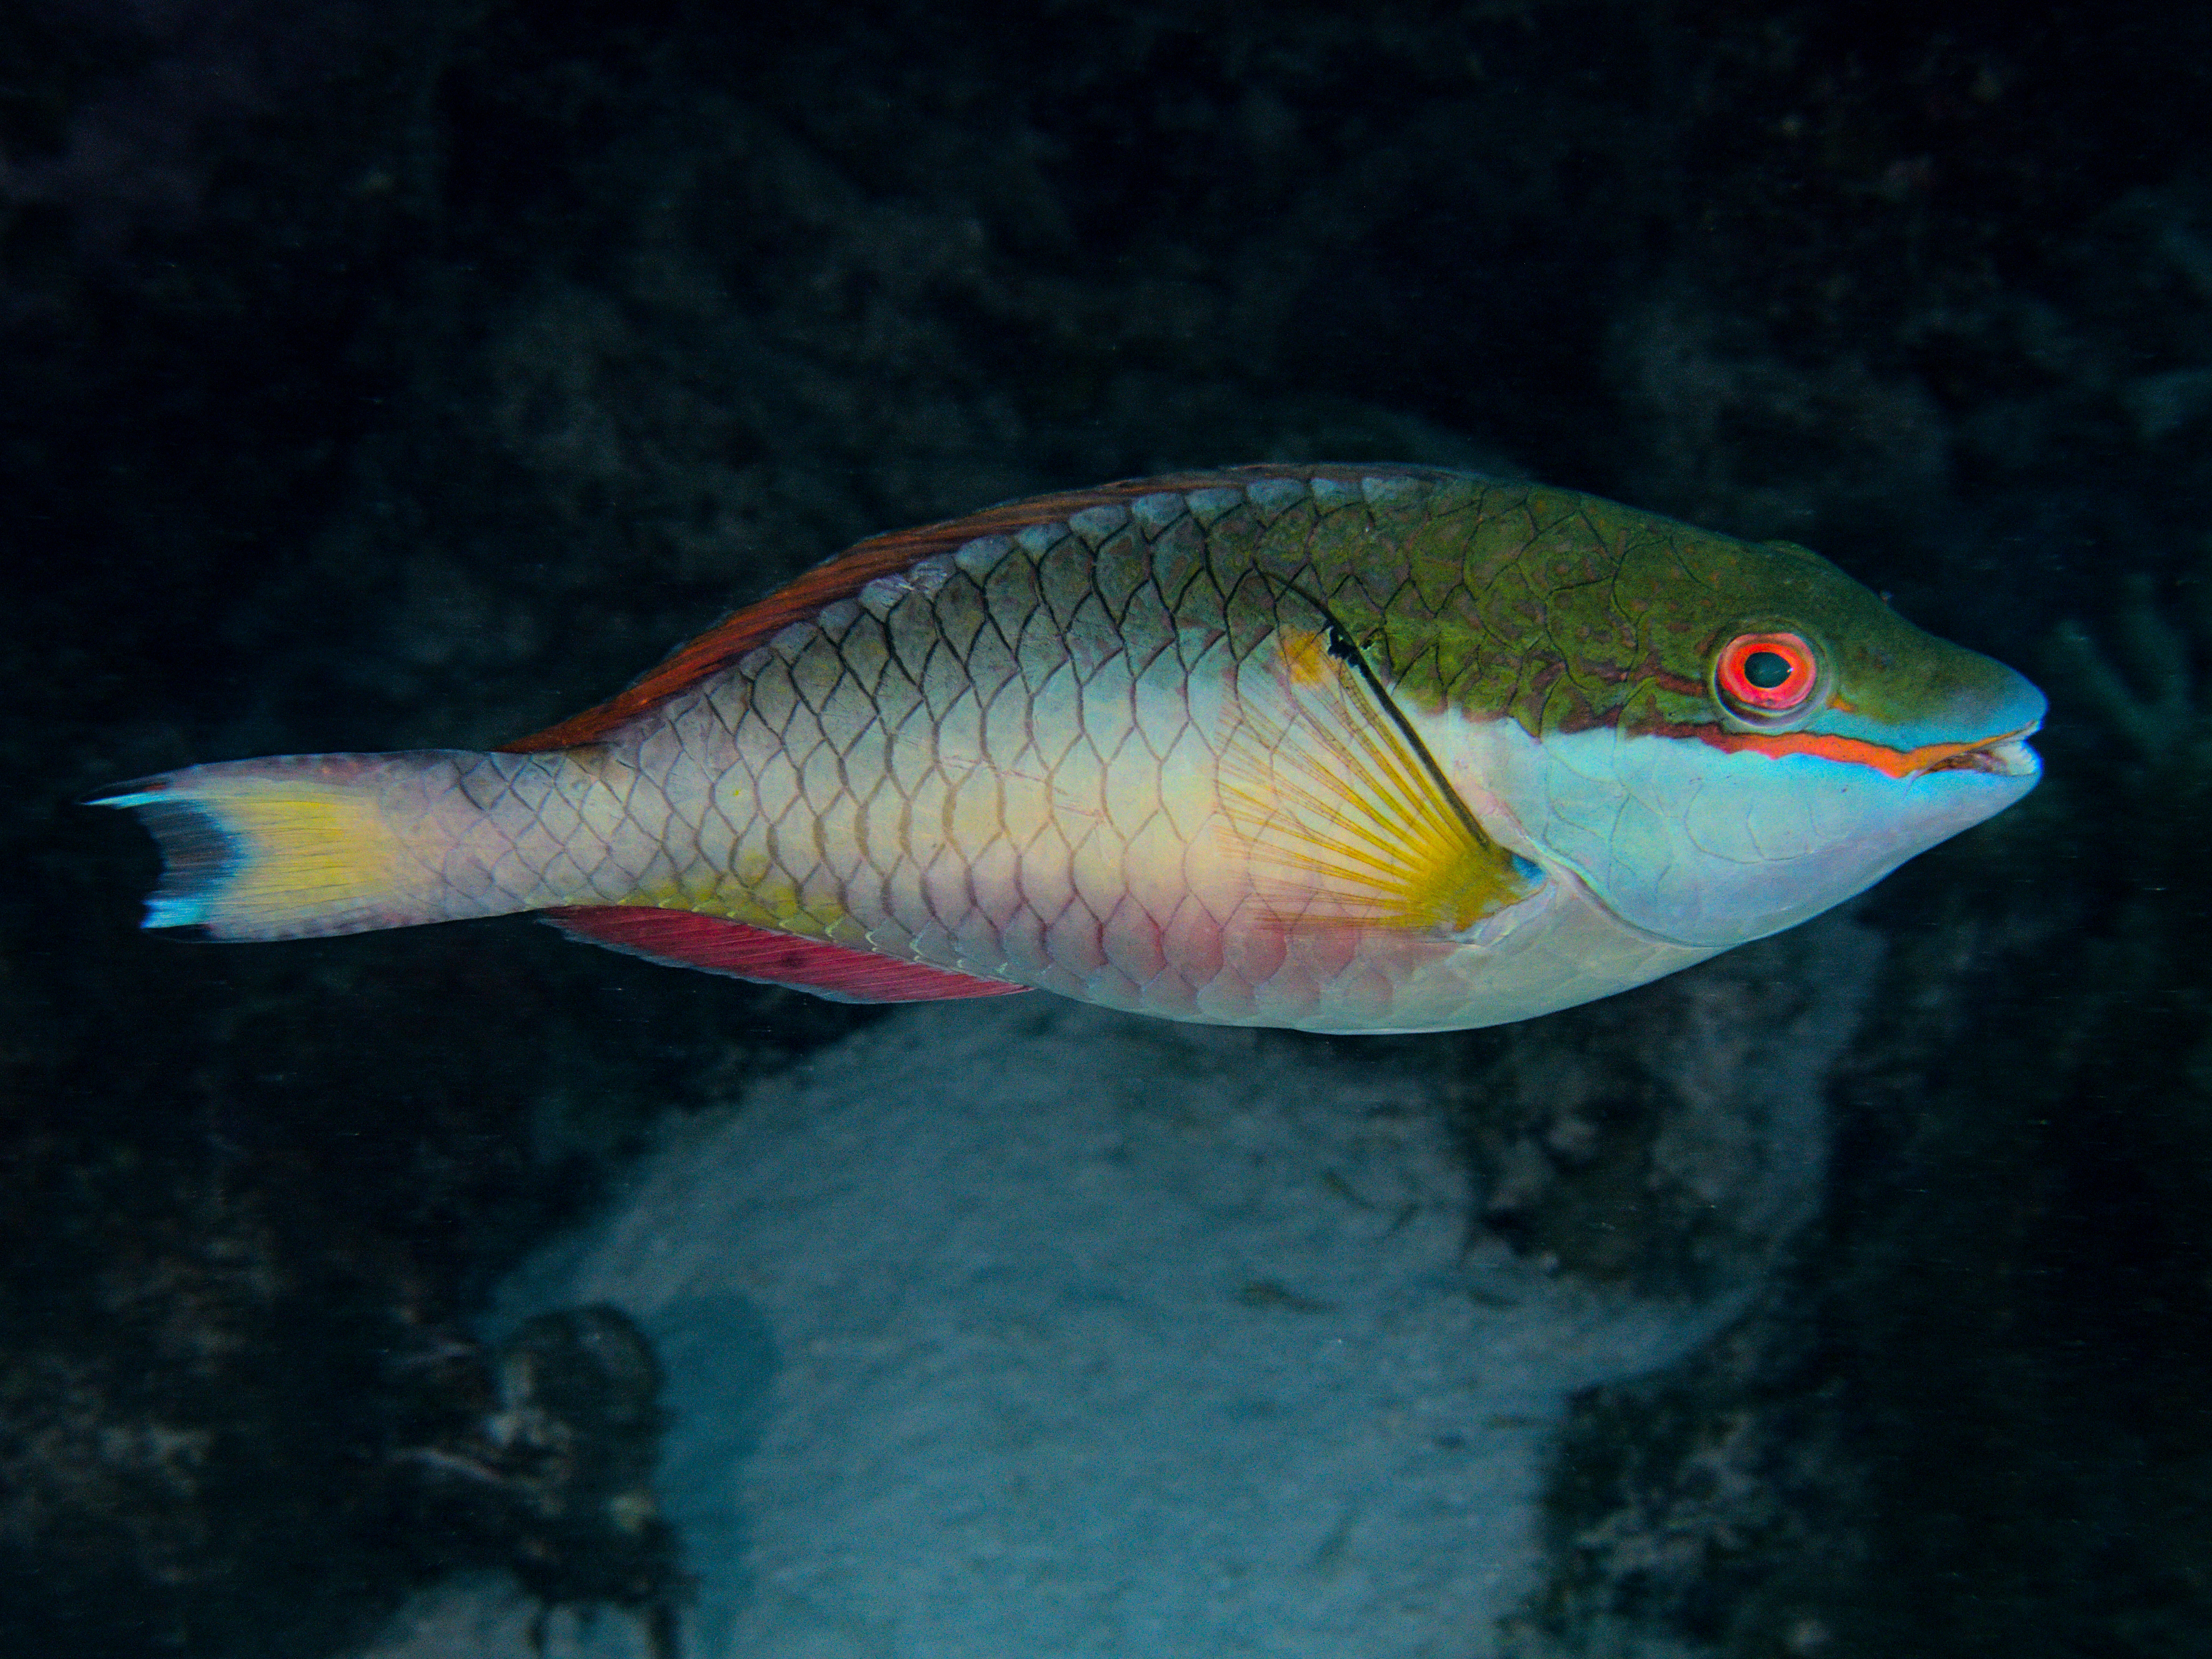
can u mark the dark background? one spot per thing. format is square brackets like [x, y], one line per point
[383, 375]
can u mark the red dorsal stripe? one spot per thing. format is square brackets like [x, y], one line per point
[882, 555]
[682, 939]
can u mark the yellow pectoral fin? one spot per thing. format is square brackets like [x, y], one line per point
[1338, 809]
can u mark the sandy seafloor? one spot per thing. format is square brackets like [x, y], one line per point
[1019, 1327]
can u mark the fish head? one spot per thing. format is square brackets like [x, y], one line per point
[1748, 736]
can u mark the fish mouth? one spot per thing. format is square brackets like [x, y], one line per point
[2006, 755]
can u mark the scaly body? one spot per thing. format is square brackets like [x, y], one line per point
[1347, 748]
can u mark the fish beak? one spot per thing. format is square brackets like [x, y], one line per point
[2007, 755]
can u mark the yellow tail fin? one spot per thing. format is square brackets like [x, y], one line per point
[298, 845]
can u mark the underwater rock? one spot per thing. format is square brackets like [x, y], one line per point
[1024, 1328]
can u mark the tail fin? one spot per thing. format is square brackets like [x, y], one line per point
[296, 845]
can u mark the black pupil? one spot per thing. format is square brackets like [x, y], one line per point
[1766, 669]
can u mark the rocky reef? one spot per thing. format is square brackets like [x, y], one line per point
[414, 374]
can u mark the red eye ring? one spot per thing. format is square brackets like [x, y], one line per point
[1760, 676]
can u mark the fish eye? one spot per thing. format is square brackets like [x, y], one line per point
[1763, 677]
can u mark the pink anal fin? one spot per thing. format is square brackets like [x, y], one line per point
[680, 939]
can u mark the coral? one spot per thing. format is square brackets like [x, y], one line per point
[2144, 690]
[556, 1478]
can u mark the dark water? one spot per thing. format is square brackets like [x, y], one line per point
[383, 376]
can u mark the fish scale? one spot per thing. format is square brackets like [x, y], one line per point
[993, 796]
[1347, 748]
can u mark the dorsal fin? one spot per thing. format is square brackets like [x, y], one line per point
[882, 555]
[682, 938]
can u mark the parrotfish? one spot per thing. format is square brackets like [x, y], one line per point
[1364, 748]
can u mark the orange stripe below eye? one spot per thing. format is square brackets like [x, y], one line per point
[1857, 751]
